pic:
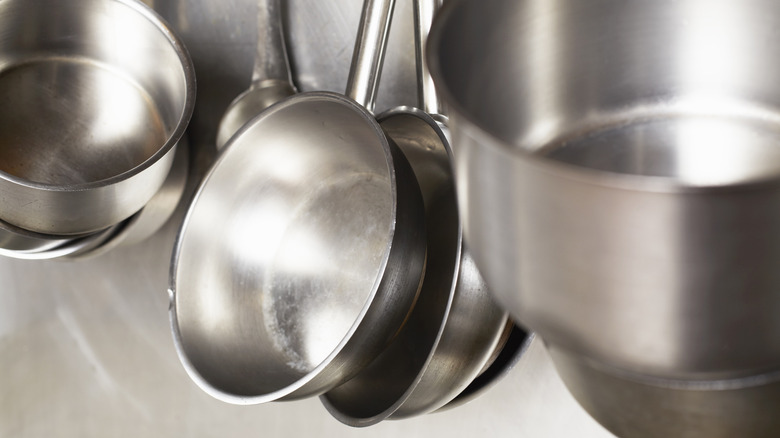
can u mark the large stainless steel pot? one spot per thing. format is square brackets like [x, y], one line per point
[95, 94]
[619, 175]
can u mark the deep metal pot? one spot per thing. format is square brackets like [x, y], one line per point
[618, 175]
[95, 94]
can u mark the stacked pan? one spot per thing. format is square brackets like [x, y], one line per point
[321, 255]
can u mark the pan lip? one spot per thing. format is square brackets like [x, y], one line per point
[291, 388]
[485, 139]
[186, 112]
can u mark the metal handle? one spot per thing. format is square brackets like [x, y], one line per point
[369, 53]
[424, 11]
[271, 77]
[271, 62]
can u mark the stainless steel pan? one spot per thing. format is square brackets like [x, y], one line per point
[619, 178]
[23, 244]
[271, 77]
[455, 325]
[303, 250]
[95, 94]
[17, 240]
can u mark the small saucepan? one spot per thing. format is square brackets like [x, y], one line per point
[303, 250]
[96, 94]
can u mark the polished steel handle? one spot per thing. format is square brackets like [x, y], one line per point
[271, 76]
[271, 62]
[427, 99]
[369, 53]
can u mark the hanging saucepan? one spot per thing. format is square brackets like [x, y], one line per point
[303, 250]
[456, 327]
[618, 175]
[96, 94]
[23, 244]
[155, 213]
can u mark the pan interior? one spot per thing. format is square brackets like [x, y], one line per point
[284, 246]
[71, 121]
[684, 91]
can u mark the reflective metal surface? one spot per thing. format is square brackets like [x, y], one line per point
[455, 325]
[619, 183]
[271, 77]
[17, 240]
[511, 352]
[455, 328]
[635, 405]
[22, 244]
[95, 96]
[156, 212]
[300, 256]
[85, 345]
[303, 250]
[68, 247]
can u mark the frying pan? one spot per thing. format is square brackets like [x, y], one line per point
[303, 250]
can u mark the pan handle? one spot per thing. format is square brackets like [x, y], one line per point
[271, 76]
[271, 62]
[369, 53]
[427, 99]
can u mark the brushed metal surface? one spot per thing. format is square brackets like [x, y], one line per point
[85, 345]
[18, 240]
